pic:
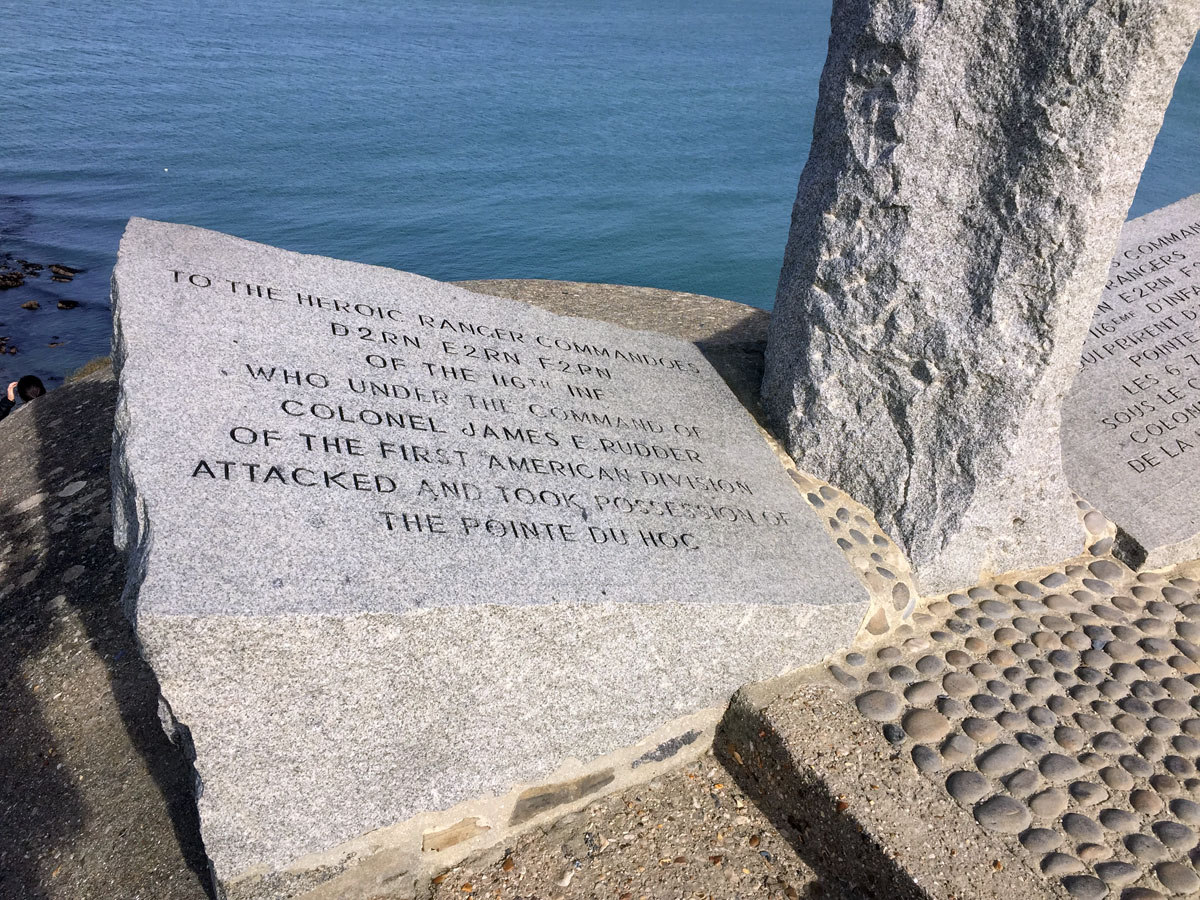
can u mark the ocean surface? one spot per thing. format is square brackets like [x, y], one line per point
[654, 143]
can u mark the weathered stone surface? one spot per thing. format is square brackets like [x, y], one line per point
[337, 669]
[970, 169]
[1132, 418]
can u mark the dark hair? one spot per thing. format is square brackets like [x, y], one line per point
[30, 386]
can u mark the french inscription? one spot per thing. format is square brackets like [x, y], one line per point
[1131, 423]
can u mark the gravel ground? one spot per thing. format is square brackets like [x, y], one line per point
[689, 834]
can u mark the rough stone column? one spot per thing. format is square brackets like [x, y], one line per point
[971, 165]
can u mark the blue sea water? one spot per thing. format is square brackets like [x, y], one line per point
[654, 143]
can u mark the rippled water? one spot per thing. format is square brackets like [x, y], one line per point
[645, 143]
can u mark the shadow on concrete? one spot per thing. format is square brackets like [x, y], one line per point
[800, 806]
[94, 800]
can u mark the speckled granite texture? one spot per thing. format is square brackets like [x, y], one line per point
[337, 675]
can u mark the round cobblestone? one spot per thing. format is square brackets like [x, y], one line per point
[1174, 835]
[925, 725]
[1057, 767]
[926, 760]
[1117, 779]
[1081, 828]
[966, 787]
[1117, 873]
[987, 705]
[1119, 820]
[1085, 887]
[1000, 759]
[1185, 811]
[1069, 738]
[1146, 802]
[981, 730]
[1022, 782]
[1049, 803]
[1092, 853]
[930, 665]
[1085, 793]
[1059, 864]
[1142, 893]
[1003, 814]
[879, 706]
[1042, 717]
[1146, 848]
[1041, 840]
[957, 748]
[1177, 878]
[921, 693]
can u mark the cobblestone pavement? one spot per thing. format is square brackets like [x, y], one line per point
[1064, 709]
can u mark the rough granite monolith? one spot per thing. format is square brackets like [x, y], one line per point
[970, 169]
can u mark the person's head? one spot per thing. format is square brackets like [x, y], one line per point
[30, 386]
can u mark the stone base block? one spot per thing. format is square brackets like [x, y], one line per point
[312, 733]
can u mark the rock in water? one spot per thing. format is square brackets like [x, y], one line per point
[970, 169]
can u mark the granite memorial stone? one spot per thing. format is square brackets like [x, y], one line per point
[970, 169]
[1131, 423]
[393, 545]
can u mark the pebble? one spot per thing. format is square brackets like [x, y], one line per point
[1147, 848]
[1185, 811]
[925, 759]
[1034, 743]
[1061, 864]
[966, 787]
[986, 704]
[1041, 840]
[1140, 893]
[982, 730]
[1022, 782]
[1081, 828]
[1011, 720]
[921, 693]
[878, 706]
[1174, 835]
[1110, 742]
[1118, 873]
[1136, 766]
[1000, 759]
[1042, 717]
[1177, 878]
[1120, 821]
[1087, 794]
[1146, 802]
[1085, 887]
[1048, 803]
[959, 684]
[925, 725]
[929, 665]
[1057, 767]
[1091, 853]
[1003, 814]
[957, 748]
[1069, 738]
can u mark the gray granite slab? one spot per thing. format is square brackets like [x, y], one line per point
[393, 545]
[1131, 422]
